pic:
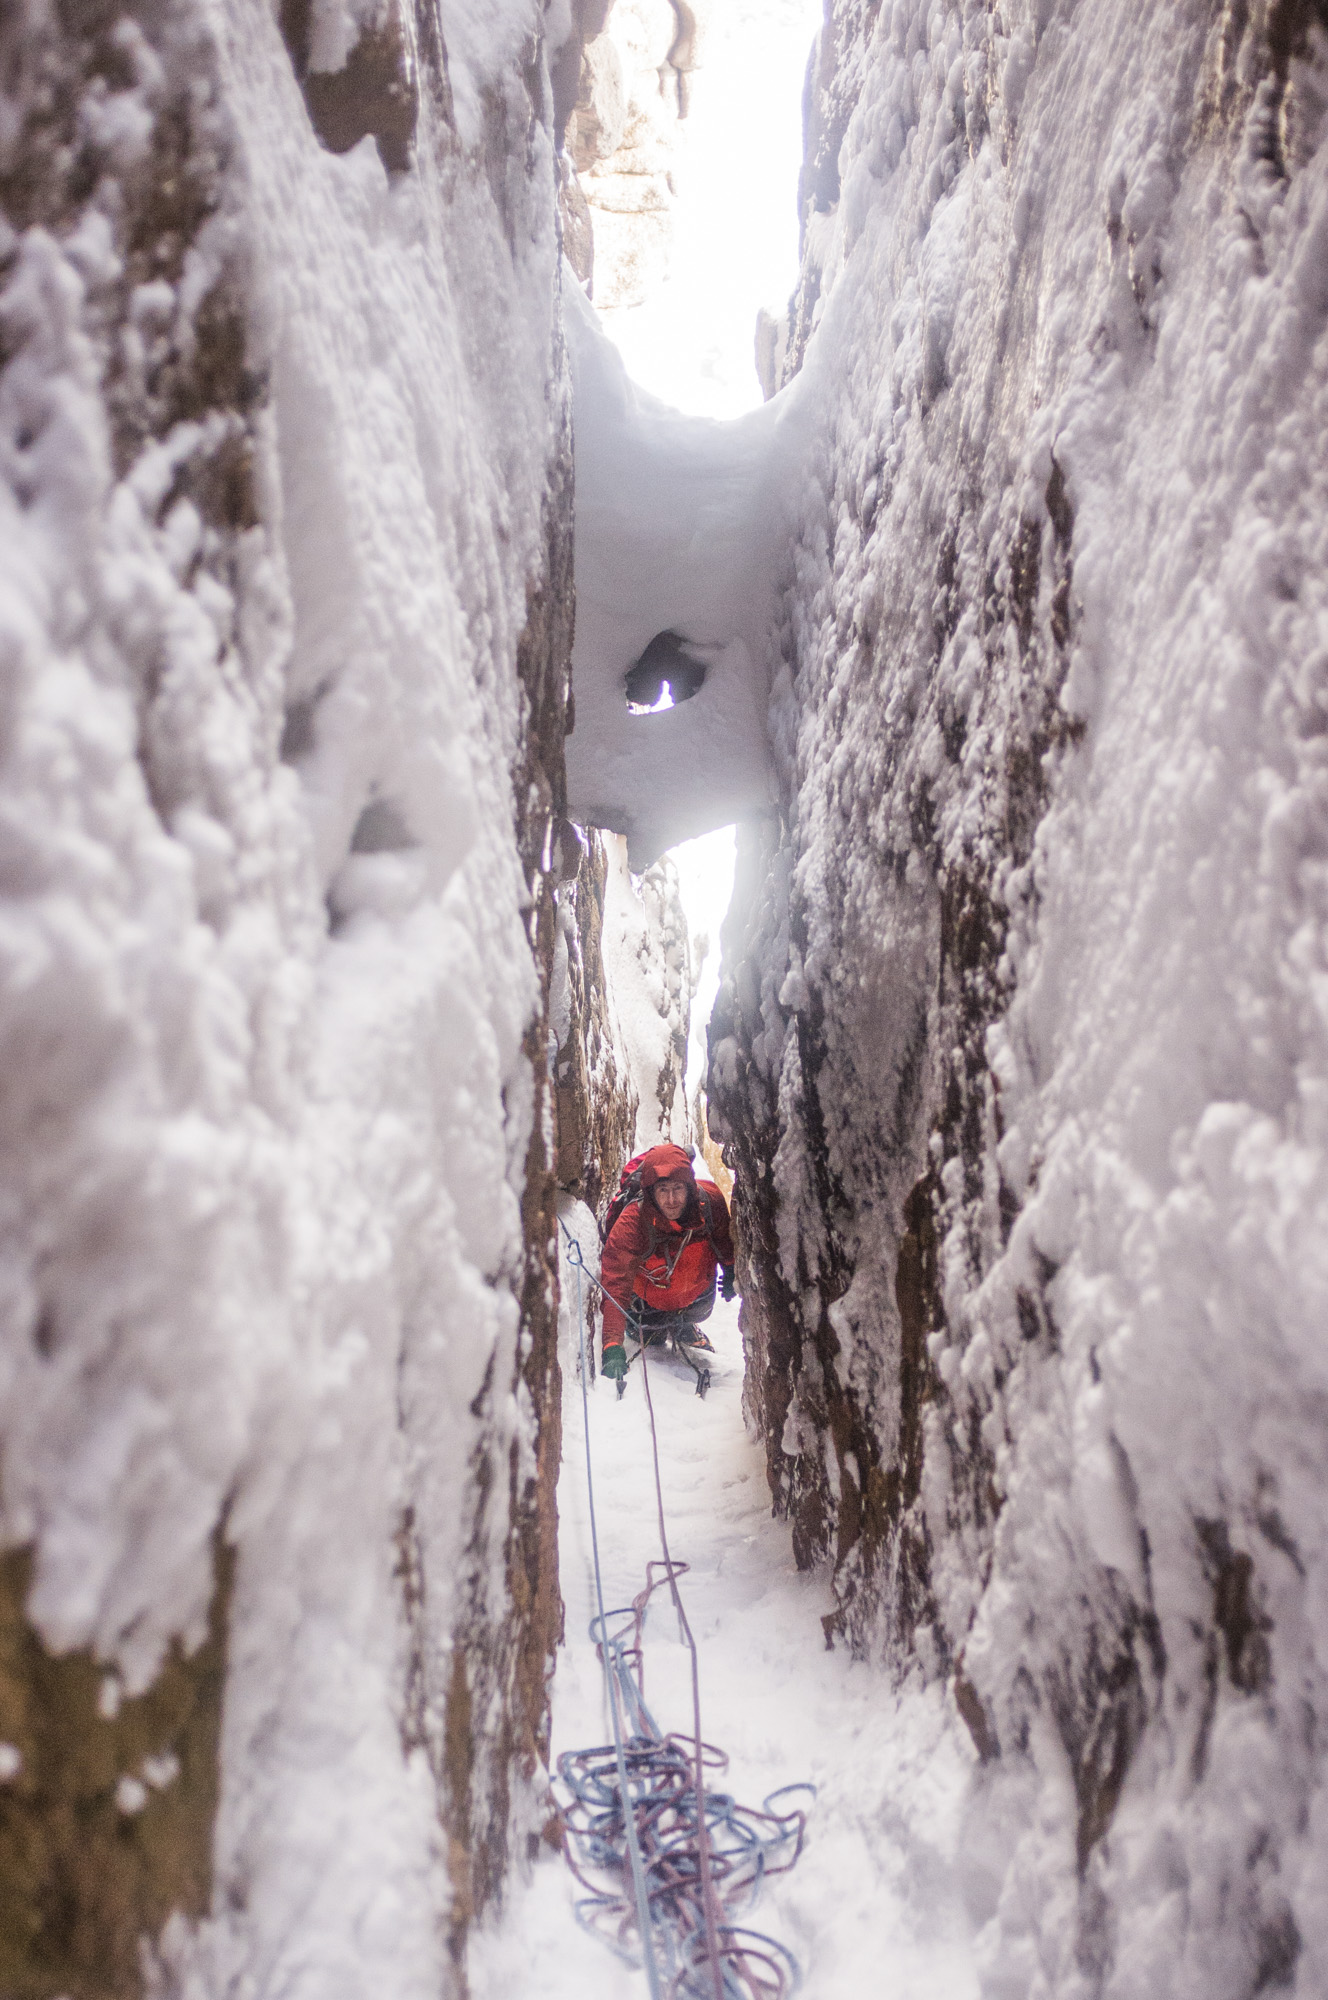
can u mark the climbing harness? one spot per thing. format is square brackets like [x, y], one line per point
[669, 1336]
[695, 1858]
[630, 1190]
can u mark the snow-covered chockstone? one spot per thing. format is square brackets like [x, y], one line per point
[680, 522]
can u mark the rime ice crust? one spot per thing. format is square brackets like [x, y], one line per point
[647, 957]
[619, 1016]
[285, 550]
[1022, 1046]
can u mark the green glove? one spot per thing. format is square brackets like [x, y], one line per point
[614, 1364]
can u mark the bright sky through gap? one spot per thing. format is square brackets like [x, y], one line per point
[735, 245]
[735, 249]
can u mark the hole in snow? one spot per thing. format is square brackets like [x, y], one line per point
[297, 736]
[666, 674]
[381, 829]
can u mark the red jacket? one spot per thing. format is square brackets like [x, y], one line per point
[665, 1264]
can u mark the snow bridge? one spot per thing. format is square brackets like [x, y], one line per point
[680, 525]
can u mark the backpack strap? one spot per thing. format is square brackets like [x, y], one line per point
[629, 1190]
[704, 1199]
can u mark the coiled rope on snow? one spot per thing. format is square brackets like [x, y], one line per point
[694, 1858]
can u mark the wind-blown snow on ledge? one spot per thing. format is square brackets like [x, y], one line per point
[1023, 1046]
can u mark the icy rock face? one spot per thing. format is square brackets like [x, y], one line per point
[595, 1097]
[620, 1014]
[285, 613]
[648, 961]
[619, 1022]
[621, 137]
[1022, 1048]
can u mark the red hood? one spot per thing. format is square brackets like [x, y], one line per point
[661, 1163]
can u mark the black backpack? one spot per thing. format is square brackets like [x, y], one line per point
[629, 1190]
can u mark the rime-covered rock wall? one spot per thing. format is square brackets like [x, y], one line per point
[620, 1013]
[1022, 1051]
[628, 95]
[619, 1021]
[595, 1094]
[647, 953]
[285, 611]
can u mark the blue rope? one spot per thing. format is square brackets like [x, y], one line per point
[610, 1650]
[675, 1889]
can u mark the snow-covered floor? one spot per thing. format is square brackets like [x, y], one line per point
[874, 1905]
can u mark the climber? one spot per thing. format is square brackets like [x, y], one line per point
[661, 1257]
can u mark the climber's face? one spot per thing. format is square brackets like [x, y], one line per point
[671, 1198]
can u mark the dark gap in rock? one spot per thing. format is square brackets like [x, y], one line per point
[382, 829]
[45, 1334]
[374, 94]
[295, 22]
[577, 227]
[1102, 1756]
[974, 1717]
[1279, 1945]
[1235, 1612]
[1289, 25]
[297, 735]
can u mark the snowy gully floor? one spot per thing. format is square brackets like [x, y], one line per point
[873, 1906]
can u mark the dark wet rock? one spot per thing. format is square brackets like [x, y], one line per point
[594, 1094]
[578, 226]
[106, 1821]
[375, 92]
